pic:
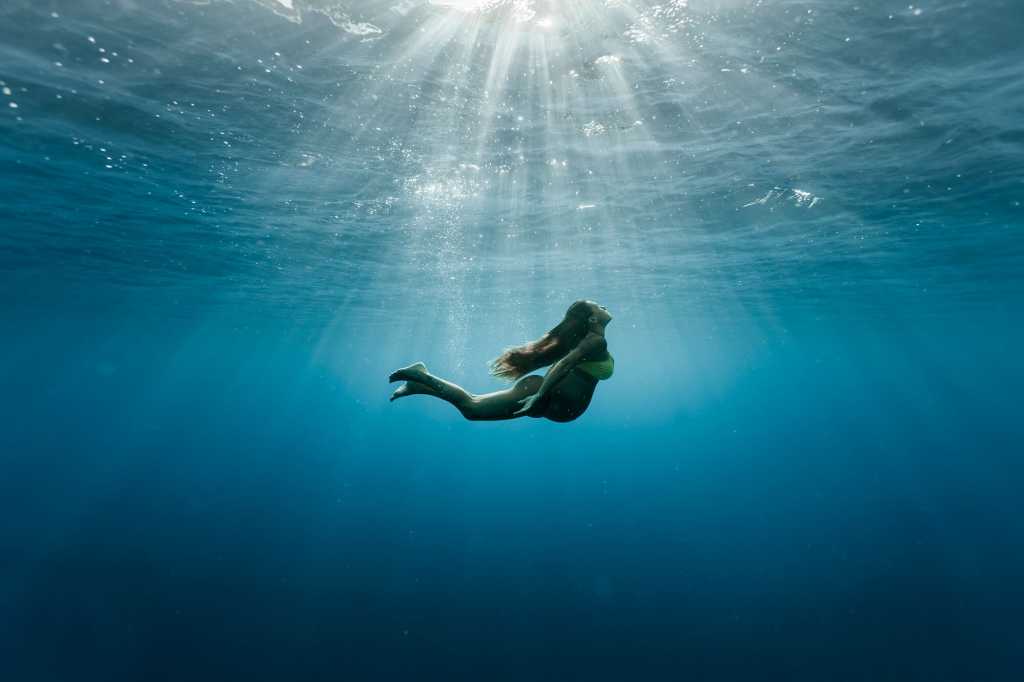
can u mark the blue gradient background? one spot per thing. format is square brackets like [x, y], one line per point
[806, 467]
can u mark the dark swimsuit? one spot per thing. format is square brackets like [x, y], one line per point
[571, 396]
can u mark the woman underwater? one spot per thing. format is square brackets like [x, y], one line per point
[576, 350]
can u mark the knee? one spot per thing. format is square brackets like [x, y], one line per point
[530, 384]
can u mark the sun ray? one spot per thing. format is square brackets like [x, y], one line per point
[533, 116]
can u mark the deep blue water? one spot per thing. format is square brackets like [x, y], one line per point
[225, 223]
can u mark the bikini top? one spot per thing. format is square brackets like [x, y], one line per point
[599, 369]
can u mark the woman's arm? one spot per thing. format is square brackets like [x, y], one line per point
[558, 370]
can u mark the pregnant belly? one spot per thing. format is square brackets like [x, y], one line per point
[570, 398]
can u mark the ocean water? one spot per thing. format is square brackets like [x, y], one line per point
[225, 222]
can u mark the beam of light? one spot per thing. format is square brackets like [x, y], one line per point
[526, 121]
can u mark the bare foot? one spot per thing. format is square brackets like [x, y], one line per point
[410, 373]
[411, 388]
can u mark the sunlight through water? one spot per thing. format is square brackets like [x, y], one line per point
[227, 223]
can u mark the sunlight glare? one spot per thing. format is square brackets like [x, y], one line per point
[468, 5]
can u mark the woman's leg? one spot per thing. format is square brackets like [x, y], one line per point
[504, 404]
[420, 381]
[490, 406]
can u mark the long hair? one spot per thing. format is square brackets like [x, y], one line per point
[548, 349]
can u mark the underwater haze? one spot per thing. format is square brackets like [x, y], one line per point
[227, 221]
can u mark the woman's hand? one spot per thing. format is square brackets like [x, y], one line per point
[527, 403]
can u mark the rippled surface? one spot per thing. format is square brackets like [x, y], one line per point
[226, 221]
[708, 154]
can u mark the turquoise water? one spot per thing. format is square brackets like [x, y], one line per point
[226, 222]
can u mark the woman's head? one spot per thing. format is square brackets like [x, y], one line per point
[595, 314]
[581, 317]
[599, 315]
